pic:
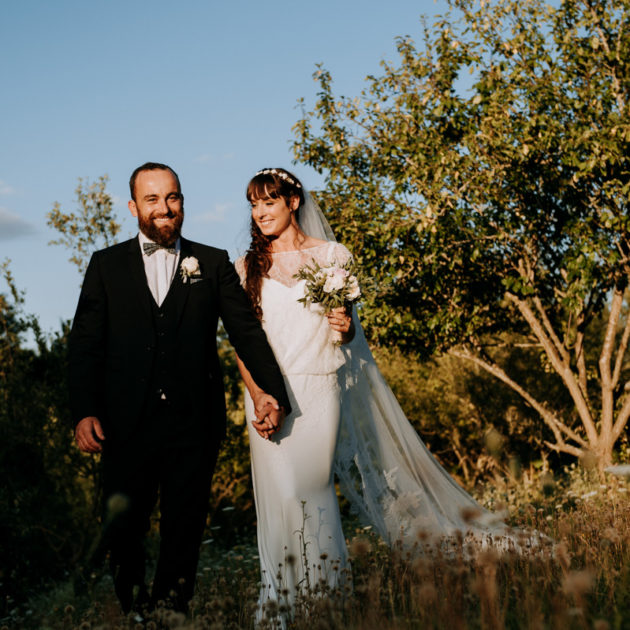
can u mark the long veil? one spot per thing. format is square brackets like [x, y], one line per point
[386, 472]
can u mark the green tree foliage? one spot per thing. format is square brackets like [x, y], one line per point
[476, 429]
[498, 208]
[91, 227]
[45, 497]
[232, 501]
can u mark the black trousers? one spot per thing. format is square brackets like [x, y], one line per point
[165, 458]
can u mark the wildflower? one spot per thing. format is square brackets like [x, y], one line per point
[470, 514]
[612, 535]
[577, 583]
[359, 547]
[562, 555]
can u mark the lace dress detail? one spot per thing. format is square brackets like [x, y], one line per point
[286, 264]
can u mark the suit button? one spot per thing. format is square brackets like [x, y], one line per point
[160, 315]
[161, 334]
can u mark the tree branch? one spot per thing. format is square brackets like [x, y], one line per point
[623, 346]
[563, 370]
[560, 347]
[557, 427]
[608, 402]
[580, 359]
[565, 448]
[622, 418]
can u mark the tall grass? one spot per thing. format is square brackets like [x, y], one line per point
[582, 581]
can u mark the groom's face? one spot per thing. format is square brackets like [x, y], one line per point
[158, 205]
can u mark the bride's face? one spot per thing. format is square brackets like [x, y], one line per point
[274, 216]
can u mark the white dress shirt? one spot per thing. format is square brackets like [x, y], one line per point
[160, 268]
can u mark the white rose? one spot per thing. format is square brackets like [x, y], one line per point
[190, 266]
[334, 283]
[353, 288]
[337, 271]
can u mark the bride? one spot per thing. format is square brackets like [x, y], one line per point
[345, 419]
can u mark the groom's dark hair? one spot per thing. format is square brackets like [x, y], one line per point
[150, 166]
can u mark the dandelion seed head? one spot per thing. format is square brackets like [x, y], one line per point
[578, 583]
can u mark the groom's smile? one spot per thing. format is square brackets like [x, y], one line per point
[159, 206]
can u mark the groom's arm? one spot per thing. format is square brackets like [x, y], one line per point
[247, 336]
[86, 348]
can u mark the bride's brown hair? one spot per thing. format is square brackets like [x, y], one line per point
[268, 183]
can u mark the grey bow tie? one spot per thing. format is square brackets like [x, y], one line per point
[151, 248]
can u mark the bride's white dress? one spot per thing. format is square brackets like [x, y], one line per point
[345, 421]
[300, 540]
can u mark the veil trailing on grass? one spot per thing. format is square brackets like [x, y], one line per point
[386, 472]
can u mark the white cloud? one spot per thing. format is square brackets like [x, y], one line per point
[217, 215]
[13, 226]
[5, 189]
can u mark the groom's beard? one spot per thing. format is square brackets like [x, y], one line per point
[164, 235]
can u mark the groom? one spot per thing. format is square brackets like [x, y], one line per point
[146, 387]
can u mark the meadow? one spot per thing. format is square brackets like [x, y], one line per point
[580, 580]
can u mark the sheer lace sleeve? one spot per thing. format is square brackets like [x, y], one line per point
[339, 254]
[286, 264]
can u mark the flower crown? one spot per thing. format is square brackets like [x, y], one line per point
[281, 174]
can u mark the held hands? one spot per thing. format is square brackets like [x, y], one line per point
[340, 319]
[89, 435]
[269, 415]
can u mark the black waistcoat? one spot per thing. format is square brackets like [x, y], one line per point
[162, 380]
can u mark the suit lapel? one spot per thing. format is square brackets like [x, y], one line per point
[138, 275]
[179, 290]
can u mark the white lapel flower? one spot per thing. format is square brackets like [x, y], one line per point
[189, 268]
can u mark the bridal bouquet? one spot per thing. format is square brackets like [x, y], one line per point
[331, 286]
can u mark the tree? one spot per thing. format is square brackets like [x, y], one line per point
[497, 211]
[91, 228]
[45, 502]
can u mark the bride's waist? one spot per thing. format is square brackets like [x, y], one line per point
[326, 362]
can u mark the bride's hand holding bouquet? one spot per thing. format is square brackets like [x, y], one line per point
[334, 288]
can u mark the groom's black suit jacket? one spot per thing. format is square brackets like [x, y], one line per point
[114, 345]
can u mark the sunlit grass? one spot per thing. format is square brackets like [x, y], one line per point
[583, 583]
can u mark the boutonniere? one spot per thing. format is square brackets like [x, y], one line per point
[190, 270]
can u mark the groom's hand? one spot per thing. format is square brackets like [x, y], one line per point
[89, 435]
[276, 418]
[269, 416]
[263, 404]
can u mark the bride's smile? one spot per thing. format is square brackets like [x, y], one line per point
[272, 216]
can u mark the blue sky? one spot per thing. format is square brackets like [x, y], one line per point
[211, 88]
